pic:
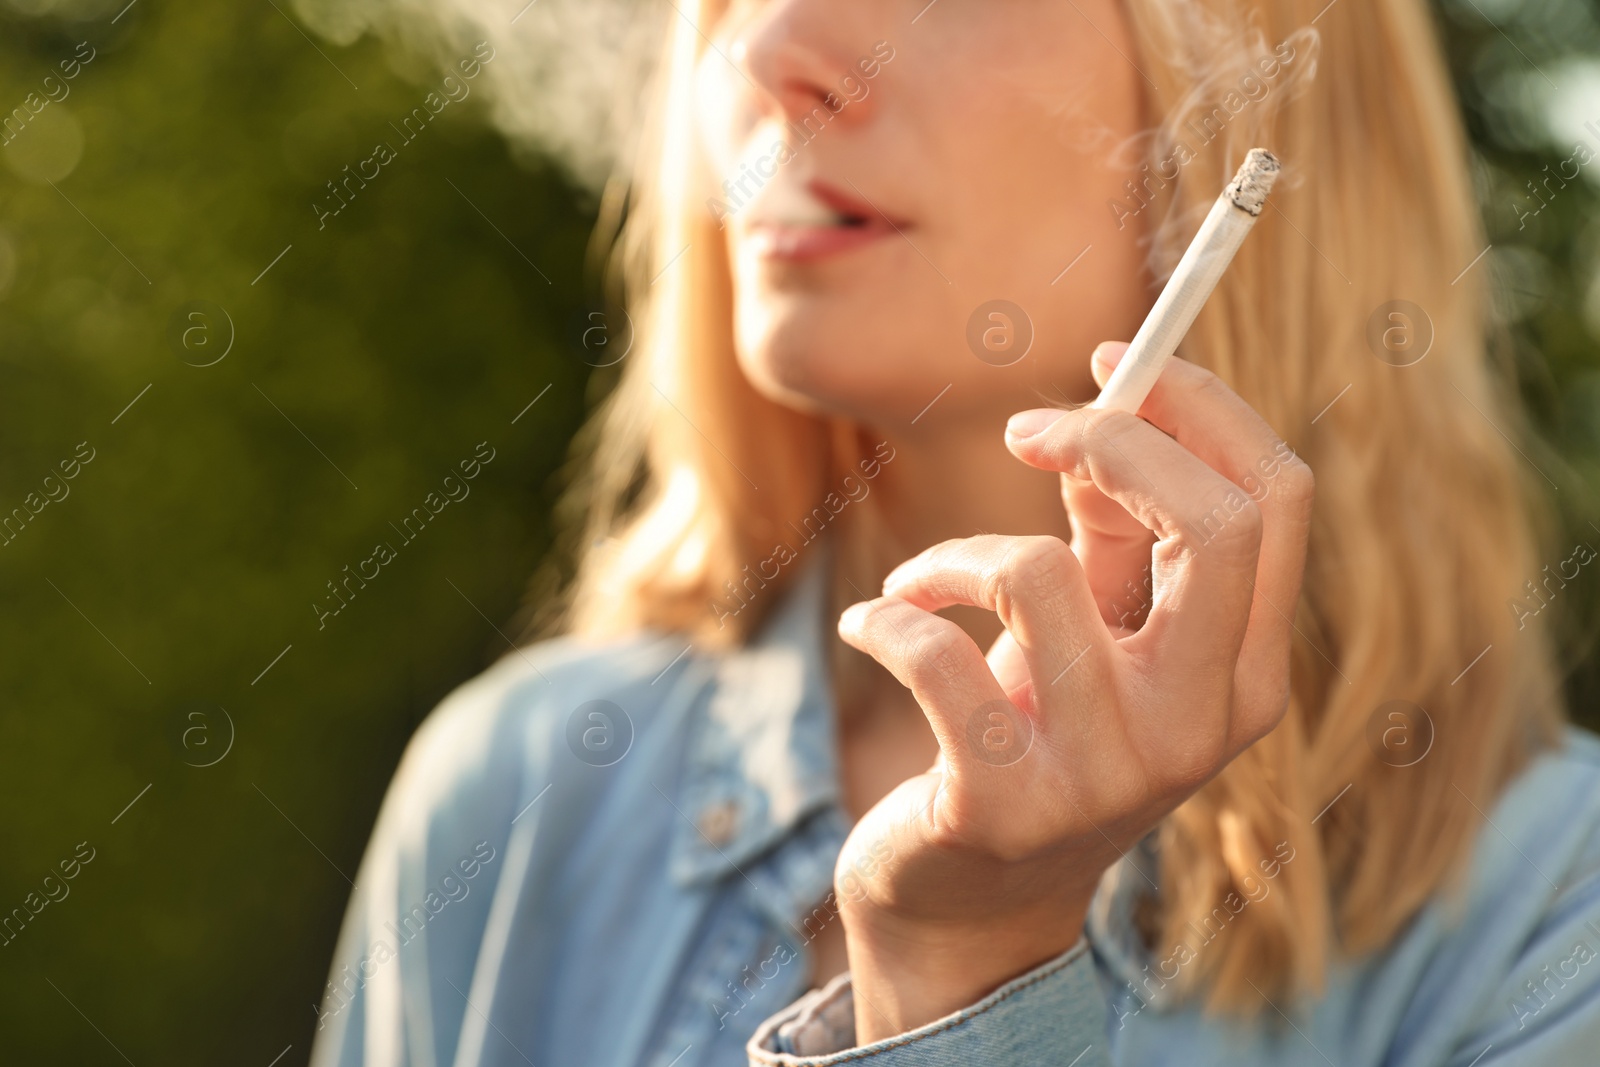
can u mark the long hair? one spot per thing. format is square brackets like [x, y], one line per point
[1425, 532]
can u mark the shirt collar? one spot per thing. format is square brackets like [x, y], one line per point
[761, 754]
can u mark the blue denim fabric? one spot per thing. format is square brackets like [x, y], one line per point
[640, 889]
[1054, 1014]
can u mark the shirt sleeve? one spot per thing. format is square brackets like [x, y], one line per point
[1054, 1015]
[423, 895]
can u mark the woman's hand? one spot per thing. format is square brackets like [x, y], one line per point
[1079, 732]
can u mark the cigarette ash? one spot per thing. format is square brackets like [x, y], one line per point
[1249, 188]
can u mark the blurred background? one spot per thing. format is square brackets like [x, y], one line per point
[252, 380]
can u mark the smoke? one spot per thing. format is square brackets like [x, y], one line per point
[568, 78]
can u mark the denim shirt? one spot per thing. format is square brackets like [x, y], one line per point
[620, 854]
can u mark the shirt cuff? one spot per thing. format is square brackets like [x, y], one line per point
[1050, 1015]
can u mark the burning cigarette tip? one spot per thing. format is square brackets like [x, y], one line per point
[1249, 188]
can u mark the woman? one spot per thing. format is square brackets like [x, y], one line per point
[1242, 778]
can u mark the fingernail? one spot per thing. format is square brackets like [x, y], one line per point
[850, 618]
[1028, 423]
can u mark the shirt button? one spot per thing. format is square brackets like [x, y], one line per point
[719, 821]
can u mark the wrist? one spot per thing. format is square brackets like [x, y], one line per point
[906, 975]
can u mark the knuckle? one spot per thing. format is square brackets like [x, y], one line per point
[1261, 708]
[1035, 566]
[1110, 797]
[936, 652]
[1196, 763]
[1188, 776]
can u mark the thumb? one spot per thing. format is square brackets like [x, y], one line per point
[1105, 359]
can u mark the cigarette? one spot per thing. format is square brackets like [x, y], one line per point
[1186, 292]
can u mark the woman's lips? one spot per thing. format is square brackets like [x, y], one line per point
[798, 243]
[851, 223]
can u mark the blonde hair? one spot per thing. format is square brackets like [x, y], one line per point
[1423, 528]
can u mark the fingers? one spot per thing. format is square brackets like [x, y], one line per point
[1205, 559]
[1036, 586]
[1214, 422]
[1266, 487]
[932, 657]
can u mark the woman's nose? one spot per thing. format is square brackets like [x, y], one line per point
[796, 57]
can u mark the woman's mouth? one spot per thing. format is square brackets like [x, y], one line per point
[800, 224]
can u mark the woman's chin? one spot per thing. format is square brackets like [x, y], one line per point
[823, 381]
[795, 378]
[834, 361]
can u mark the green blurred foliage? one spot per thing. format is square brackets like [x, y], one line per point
[1528, 75]
[144, 610]
[396, 338]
